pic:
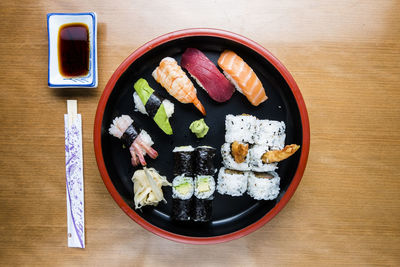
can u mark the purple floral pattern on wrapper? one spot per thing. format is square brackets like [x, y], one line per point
[74, 182]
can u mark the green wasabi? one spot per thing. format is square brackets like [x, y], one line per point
[199, 128]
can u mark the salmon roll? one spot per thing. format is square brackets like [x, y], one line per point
[242, 76]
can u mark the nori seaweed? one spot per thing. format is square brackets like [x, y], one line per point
[204, 160]
[181, 209]
[183, 163]
[130, 135]
[201, 210]
[153, 104]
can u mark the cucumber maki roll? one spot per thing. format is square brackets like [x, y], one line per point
[202, 210]
[204, 187]
[156, 107]
[183, 160]
[204, 156]
[182, 192]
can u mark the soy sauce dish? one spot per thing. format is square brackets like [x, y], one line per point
[72, 49]
[192, 211]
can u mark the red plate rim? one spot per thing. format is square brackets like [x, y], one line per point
[215, 33]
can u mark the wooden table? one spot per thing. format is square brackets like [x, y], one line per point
[345, 57]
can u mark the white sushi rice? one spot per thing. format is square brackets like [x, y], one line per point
[256, 163]
[168, 106]
[230, 163]
[270, 133]
[180, 180]
[233, 81]
[183, 149]
[138, 104]
[240, 128]
[146, 138]
[211, 184]
[119, 125]
[198, 82]
[232, 183]
[262, 187]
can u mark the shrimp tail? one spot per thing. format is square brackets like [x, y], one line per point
[199, 106]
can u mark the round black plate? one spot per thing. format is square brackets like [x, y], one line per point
[230, 214]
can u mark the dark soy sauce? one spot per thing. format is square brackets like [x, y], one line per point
[73, 50]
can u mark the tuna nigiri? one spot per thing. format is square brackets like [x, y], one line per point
[207, 75]
[170, 75]
[242, 76]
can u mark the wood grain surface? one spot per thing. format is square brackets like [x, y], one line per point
[345, 57]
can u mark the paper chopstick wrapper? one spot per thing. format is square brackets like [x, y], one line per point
[74, 176]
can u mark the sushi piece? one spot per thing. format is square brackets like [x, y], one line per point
[263, 186]
[204, 187]
[202, 210]
[270, 133]
[279, 155]
[231, 182]
[241, 162]
[184, 160]
[242, 76]
[182, 192]
[256, 162]
[240, 128]
[148, 102]
[137, 140]
[204, 158]
[207, 75]
[170, 75]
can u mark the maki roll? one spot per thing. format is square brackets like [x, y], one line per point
[204, 187]
[240, 128]
[256, 159]
[156, 107]
[182, 192]
[137, 140]
[183, 160]
[263, 186]
[204, 156]
[236, 156]
[233, 183]
[202, 210]
[270, 133]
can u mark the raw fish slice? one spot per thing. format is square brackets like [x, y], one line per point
[207, 75]
[243, 77]
[170, 75]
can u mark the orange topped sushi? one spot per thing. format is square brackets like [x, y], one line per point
[170, 75]
[242, 76]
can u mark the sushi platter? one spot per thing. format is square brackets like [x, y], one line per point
[201, 136]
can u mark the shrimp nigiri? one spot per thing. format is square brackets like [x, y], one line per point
[170, 75]
[242, 76]
[138, 141]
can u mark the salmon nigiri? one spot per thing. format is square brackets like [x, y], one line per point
[242, 76]
[170, 75]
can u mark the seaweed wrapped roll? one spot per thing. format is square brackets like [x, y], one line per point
[183, 160]
[202, 210]
[204, 186]
[204, 156]
[182, 192]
